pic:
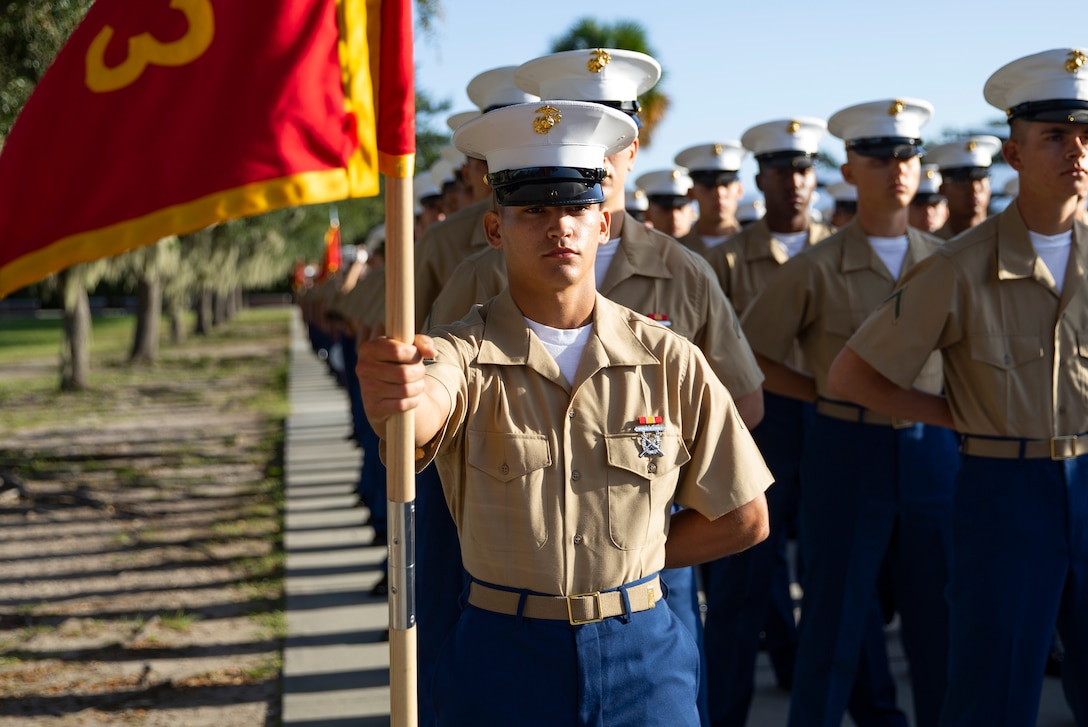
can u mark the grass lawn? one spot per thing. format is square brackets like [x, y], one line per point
[30, 364]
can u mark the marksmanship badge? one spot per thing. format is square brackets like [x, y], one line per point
[649, 431]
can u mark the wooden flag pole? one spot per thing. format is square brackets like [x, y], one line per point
[400, 459]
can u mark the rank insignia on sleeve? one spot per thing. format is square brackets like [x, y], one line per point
[660, 318]
[649, 432]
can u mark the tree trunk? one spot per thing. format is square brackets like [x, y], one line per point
[219, 309]
[75, 355]
[176, 308]
[230, 304]
[204, 320]
[145, 344]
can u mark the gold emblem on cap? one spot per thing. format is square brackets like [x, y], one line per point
[1076, 60]
[675, 174]
[897, 108]
[598, 59]
[718, 149]
[971, 145]
[793, 127]
[547, 119]
[931, 174]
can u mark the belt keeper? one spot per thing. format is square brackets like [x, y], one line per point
[522, 598]
[625, 597]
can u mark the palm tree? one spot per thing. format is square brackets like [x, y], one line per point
[625, 35]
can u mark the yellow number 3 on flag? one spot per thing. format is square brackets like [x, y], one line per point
[144, 49]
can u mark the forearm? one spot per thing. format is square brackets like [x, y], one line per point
[750, 407]
[787, 381]
[694, 539]
[853, 378]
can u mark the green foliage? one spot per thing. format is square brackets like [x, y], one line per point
[31, 34]
[590, 33]
[427, 12]
[431, 130]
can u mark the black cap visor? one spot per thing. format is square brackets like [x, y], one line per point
[712, 177]
[547, 186]
[670, 201]
[886, 147]
[965, 174]
[1058, 110]
[785, 160]
[631, 108]
[924, 199]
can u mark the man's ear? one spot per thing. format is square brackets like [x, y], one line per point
[631, 152]
[1011, 151]
[847, 173]
[606, 226]
[493, 228]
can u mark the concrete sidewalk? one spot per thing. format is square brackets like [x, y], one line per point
[336, 659]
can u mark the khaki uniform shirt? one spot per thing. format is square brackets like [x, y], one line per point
[945, 232]
[822, 295]
[365, 303]
[694, 242]
[745, 262]
[317, 297]
[443, 247]
[1015, 352]
[652, 274]
[550, 485]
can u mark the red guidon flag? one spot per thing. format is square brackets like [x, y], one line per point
[161, 117]
[332, 259]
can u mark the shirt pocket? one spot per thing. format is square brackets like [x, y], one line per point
[641, 488]
[1008, 352]
[1009, 368]
[505, 499]
[839, 325]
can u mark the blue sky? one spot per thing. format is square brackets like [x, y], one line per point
[730, 65]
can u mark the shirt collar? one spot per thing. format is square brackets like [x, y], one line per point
[858, 254]
[507, 341]
[1015, 253]
[638, 254]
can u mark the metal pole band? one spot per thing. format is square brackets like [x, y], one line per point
[402, 564]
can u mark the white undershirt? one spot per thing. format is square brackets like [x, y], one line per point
[791, 242]
[564, 344]
[714, 240]
[605, 253]
[891, 250]
[1053, 250]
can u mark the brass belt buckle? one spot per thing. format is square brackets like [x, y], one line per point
[1067, 451]
[570, 610]
[898, 423]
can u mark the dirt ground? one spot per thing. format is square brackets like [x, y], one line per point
[140, 545]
